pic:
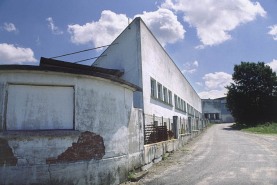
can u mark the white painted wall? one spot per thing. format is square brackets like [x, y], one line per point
[142, 57]
[34, 107]
[125, 56]
[157, 64]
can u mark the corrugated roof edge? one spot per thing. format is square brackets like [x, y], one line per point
[70, 71]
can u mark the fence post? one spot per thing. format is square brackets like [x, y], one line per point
[189, 118]
[175, 127]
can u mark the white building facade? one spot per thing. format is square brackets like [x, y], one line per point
[165, 90]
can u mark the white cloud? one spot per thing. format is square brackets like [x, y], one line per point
[188, 67]
[38, 41]
[9, 27]
[213, 94]
[199, 83]
[273, 31]
[213, 19]
[200, 47]
[215, 85]
[55, 30]
[101, 32]
[217, 80]
[9, 54]
[188, 71]
[273, 65]
[164, 25]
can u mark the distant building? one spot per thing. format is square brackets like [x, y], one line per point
[216, 111]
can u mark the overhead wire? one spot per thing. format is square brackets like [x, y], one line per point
[85, 51]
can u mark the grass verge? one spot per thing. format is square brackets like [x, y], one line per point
[211, 124]
[259, 129]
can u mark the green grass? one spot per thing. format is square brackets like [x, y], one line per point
[211, 124]
[131, 176]
[259, 129]
[164, 157]
[184, 149]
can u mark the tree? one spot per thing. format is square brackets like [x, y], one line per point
[252, 98]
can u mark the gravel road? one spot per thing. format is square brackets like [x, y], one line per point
[220, 156]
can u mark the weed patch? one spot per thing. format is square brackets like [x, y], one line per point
[260, 129]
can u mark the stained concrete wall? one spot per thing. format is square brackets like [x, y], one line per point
[153, 152]
[104, 117]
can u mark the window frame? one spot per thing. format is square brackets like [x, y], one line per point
[153, 87]
[175, 101]
[165, 96]
[160, 91]
[169, 97]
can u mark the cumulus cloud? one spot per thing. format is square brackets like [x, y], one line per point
[9, 27]
[196, 63]
[55, 30]
[189, 67]
[214, 19]
[215, 85]
[199, 83]
[101, 32]
[217, 79]
[273, 65]
[212, 94]
[164, 25]
[273, 31]
[9, 54]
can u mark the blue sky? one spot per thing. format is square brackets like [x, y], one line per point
[205, 38]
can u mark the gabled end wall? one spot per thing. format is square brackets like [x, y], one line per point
[126, 55]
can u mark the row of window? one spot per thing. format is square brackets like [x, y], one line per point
[179, 103]
[165, 95]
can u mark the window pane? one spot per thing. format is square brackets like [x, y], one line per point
[160, 91]
[165, 95]
[153, 88]
[170, 97]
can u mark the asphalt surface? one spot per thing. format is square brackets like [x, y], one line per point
[223, 156]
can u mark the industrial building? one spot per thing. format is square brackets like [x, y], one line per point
[165, 90]
[215, 110]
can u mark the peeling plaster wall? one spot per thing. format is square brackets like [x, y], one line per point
[103, 109]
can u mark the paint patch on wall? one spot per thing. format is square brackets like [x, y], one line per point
[89, 146]
[7, 157]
